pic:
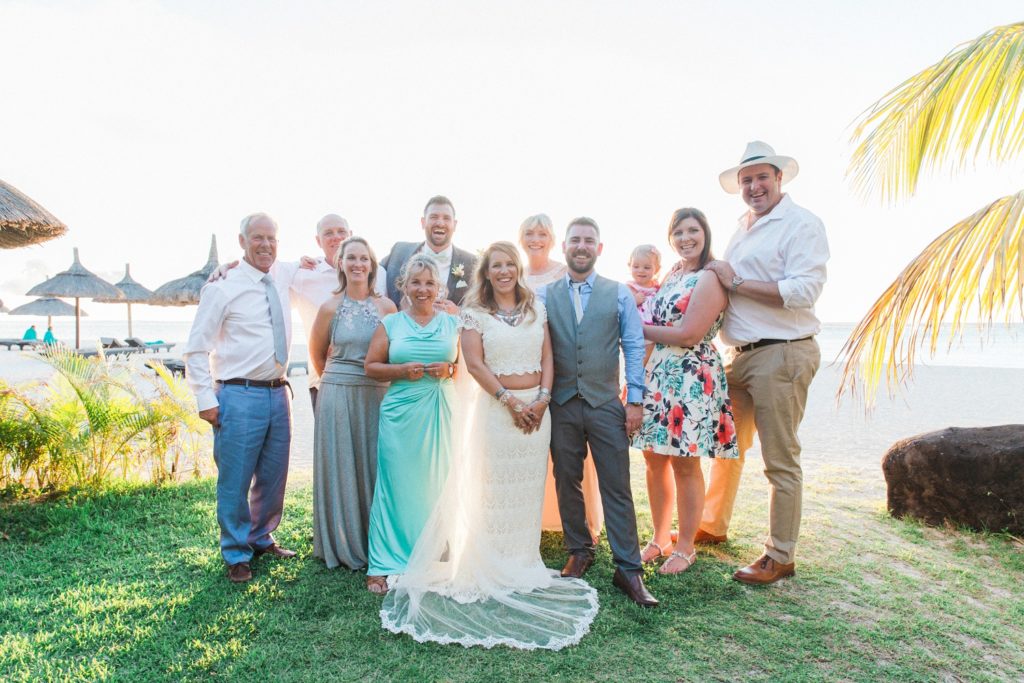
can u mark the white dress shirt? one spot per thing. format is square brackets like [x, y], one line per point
[443, 259]
[311, 288]
[232, 336]
[787, 246]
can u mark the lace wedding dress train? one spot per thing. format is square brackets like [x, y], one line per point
[476, 576]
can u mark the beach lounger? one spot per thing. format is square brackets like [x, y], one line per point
[175, 365]
[144, 346]
[115, 351]
[20, 343]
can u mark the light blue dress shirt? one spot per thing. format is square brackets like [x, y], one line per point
[631, 332]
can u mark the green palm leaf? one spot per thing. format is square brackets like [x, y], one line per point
[979, 260]
[965, 105]
[969, 104]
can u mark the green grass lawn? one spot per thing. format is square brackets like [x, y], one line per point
[128, 585]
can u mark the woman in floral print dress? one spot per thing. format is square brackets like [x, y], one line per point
[687, 414]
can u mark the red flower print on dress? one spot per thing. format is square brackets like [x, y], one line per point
[675, 420]
[693, 448]
[683, 303]
[709, 384]
[726, 428]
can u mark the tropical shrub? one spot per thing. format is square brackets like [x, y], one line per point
[96, 421]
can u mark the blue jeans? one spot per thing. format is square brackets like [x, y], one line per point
[251, 451]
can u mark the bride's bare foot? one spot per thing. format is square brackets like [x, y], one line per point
[378, 585]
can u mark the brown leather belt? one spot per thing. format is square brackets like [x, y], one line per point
[768, 342]
[263, 383]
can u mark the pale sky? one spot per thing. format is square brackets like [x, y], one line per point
[148, 126]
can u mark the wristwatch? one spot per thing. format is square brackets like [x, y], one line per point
[736, 282]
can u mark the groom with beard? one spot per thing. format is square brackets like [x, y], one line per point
[455, 265]
[589, 319]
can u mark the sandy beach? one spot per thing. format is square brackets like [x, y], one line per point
[842, 435]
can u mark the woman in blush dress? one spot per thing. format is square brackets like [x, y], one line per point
[687, 413]
[416, 351]
[476, 575]
[537, 238]
[347, 410]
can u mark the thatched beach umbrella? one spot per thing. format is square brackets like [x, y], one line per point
[185, 291]
[133, 293]
[23, 222]
[47, 307]
[79, 283]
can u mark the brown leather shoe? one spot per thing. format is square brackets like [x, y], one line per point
[577, 565]
[765, 570]
[239, 572]
[633, 586]
[705, 538]
[275, 550]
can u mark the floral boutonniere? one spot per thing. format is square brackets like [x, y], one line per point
[459, 270]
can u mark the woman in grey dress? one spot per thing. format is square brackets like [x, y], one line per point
[347, 409]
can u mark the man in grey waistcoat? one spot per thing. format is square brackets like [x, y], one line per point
[589, 319]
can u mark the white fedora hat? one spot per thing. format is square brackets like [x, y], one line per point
[758, 152]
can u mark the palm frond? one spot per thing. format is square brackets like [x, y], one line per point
[967, 104]
[982, 256]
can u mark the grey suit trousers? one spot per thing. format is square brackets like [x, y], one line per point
[574, 425]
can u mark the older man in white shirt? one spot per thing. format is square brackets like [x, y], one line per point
[236, 357]
[774, 269]
[313, 283]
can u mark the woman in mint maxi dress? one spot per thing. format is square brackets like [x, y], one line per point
[415, 434]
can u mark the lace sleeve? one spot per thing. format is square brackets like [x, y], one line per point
[469, 321]
[542, 311]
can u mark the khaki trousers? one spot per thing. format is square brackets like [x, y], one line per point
[768, 388]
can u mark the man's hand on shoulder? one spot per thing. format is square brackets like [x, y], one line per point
[723, 270]
[447, 306]
[222, 271]
[307, 262]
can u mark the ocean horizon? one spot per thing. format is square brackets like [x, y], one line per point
[1000, 346]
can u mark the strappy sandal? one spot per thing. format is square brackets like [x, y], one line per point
[645, 555]
[688, 559]
[378, 585]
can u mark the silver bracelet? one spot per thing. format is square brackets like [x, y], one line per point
[506, 398]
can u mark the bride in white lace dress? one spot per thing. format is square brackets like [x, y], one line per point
[476, 576]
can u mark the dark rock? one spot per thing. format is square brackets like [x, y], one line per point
[972, 477]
